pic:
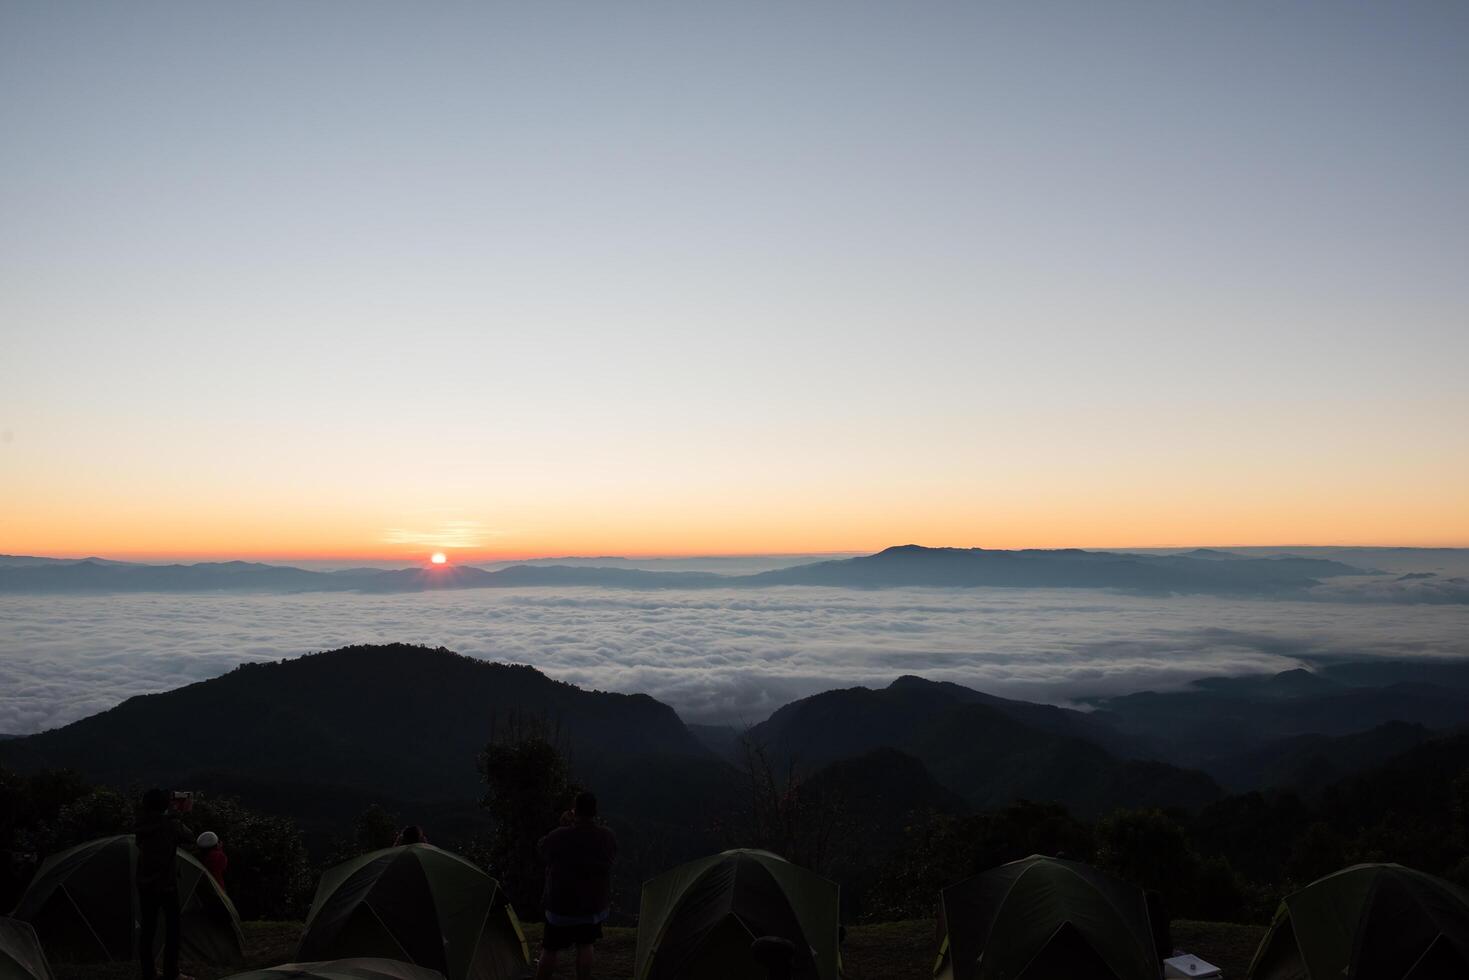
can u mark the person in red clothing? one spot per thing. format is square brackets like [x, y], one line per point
[578, 857]
[212, 856]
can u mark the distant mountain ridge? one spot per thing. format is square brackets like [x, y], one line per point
[986, 750]
[406, 723]
[1260, 729]
[897, 567]
[404, 718]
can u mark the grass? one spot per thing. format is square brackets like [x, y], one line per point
[883, 951]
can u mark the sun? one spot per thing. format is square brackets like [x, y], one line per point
[438, 558]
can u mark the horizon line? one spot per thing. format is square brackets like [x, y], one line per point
[184, 557]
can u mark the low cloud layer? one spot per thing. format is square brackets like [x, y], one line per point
[716, 655]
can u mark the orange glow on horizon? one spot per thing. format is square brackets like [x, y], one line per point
[1037, 502]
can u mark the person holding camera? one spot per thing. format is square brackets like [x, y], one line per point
[158, 833]
[578, 896]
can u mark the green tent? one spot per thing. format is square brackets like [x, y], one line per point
[1043, 917]
[21, 957]
[362, 968]
[1368, 922]
[698, 920]
[421, 905]
[84, 906]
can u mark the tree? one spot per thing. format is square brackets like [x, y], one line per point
[1148, 848]
[784, 813]
[100, 813]
[269, 875]
[372, 830]
[527, 786]
[1318, 851]
[941, 850]
[29, 805]
[1145, 847]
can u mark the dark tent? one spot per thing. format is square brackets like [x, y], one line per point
[363, 968]
[698, 920]
[1368, 922]
[1043, 917]
[420, 905]
[20, 953]
[84, 906]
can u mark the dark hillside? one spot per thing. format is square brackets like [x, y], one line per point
[407, 719]
[1308, 763]
[1043, 717]
[1412, 809]
[976, 747]
[991, 760]
[1216, 721]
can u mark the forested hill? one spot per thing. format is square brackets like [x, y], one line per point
[409, 721]
[406, 721]
[987, 750]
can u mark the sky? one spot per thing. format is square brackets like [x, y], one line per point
[360, 279]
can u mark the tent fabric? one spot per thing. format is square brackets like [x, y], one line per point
[1042, 917]
[83, 905]
[420, 905]
[21, 957]
[1366, 922]
[360, 968]
[699, 919]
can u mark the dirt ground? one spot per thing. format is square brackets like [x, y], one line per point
[885, 951]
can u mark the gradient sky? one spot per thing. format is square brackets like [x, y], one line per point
[371, 279]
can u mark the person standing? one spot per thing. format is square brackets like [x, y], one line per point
[578, 895]
[212, 856]
[158, 833]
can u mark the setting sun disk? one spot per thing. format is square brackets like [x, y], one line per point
[438, 558]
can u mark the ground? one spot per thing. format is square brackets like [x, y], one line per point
[885, 951]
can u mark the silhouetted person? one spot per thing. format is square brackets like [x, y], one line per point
[158, 833]
[212, 856]
[411, 834]
[578, 895]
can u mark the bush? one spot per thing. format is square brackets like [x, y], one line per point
[942, 850]
[1149, 848]
[269, 876]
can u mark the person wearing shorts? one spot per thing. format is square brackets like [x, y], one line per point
[578, 895]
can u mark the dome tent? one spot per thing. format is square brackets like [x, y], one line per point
[21, 957]
[363, 968]
[84, 906]
[1369, 921]
[699, 919]
[421, 905]
[1043, 917]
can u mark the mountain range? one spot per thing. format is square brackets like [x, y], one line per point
[322, 737]
[1209, 572]
[987, 750]
[407, 722]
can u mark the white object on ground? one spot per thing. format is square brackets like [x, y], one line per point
[1189, 965]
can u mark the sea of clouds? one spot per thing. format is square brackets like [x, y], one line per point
[716, 656]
